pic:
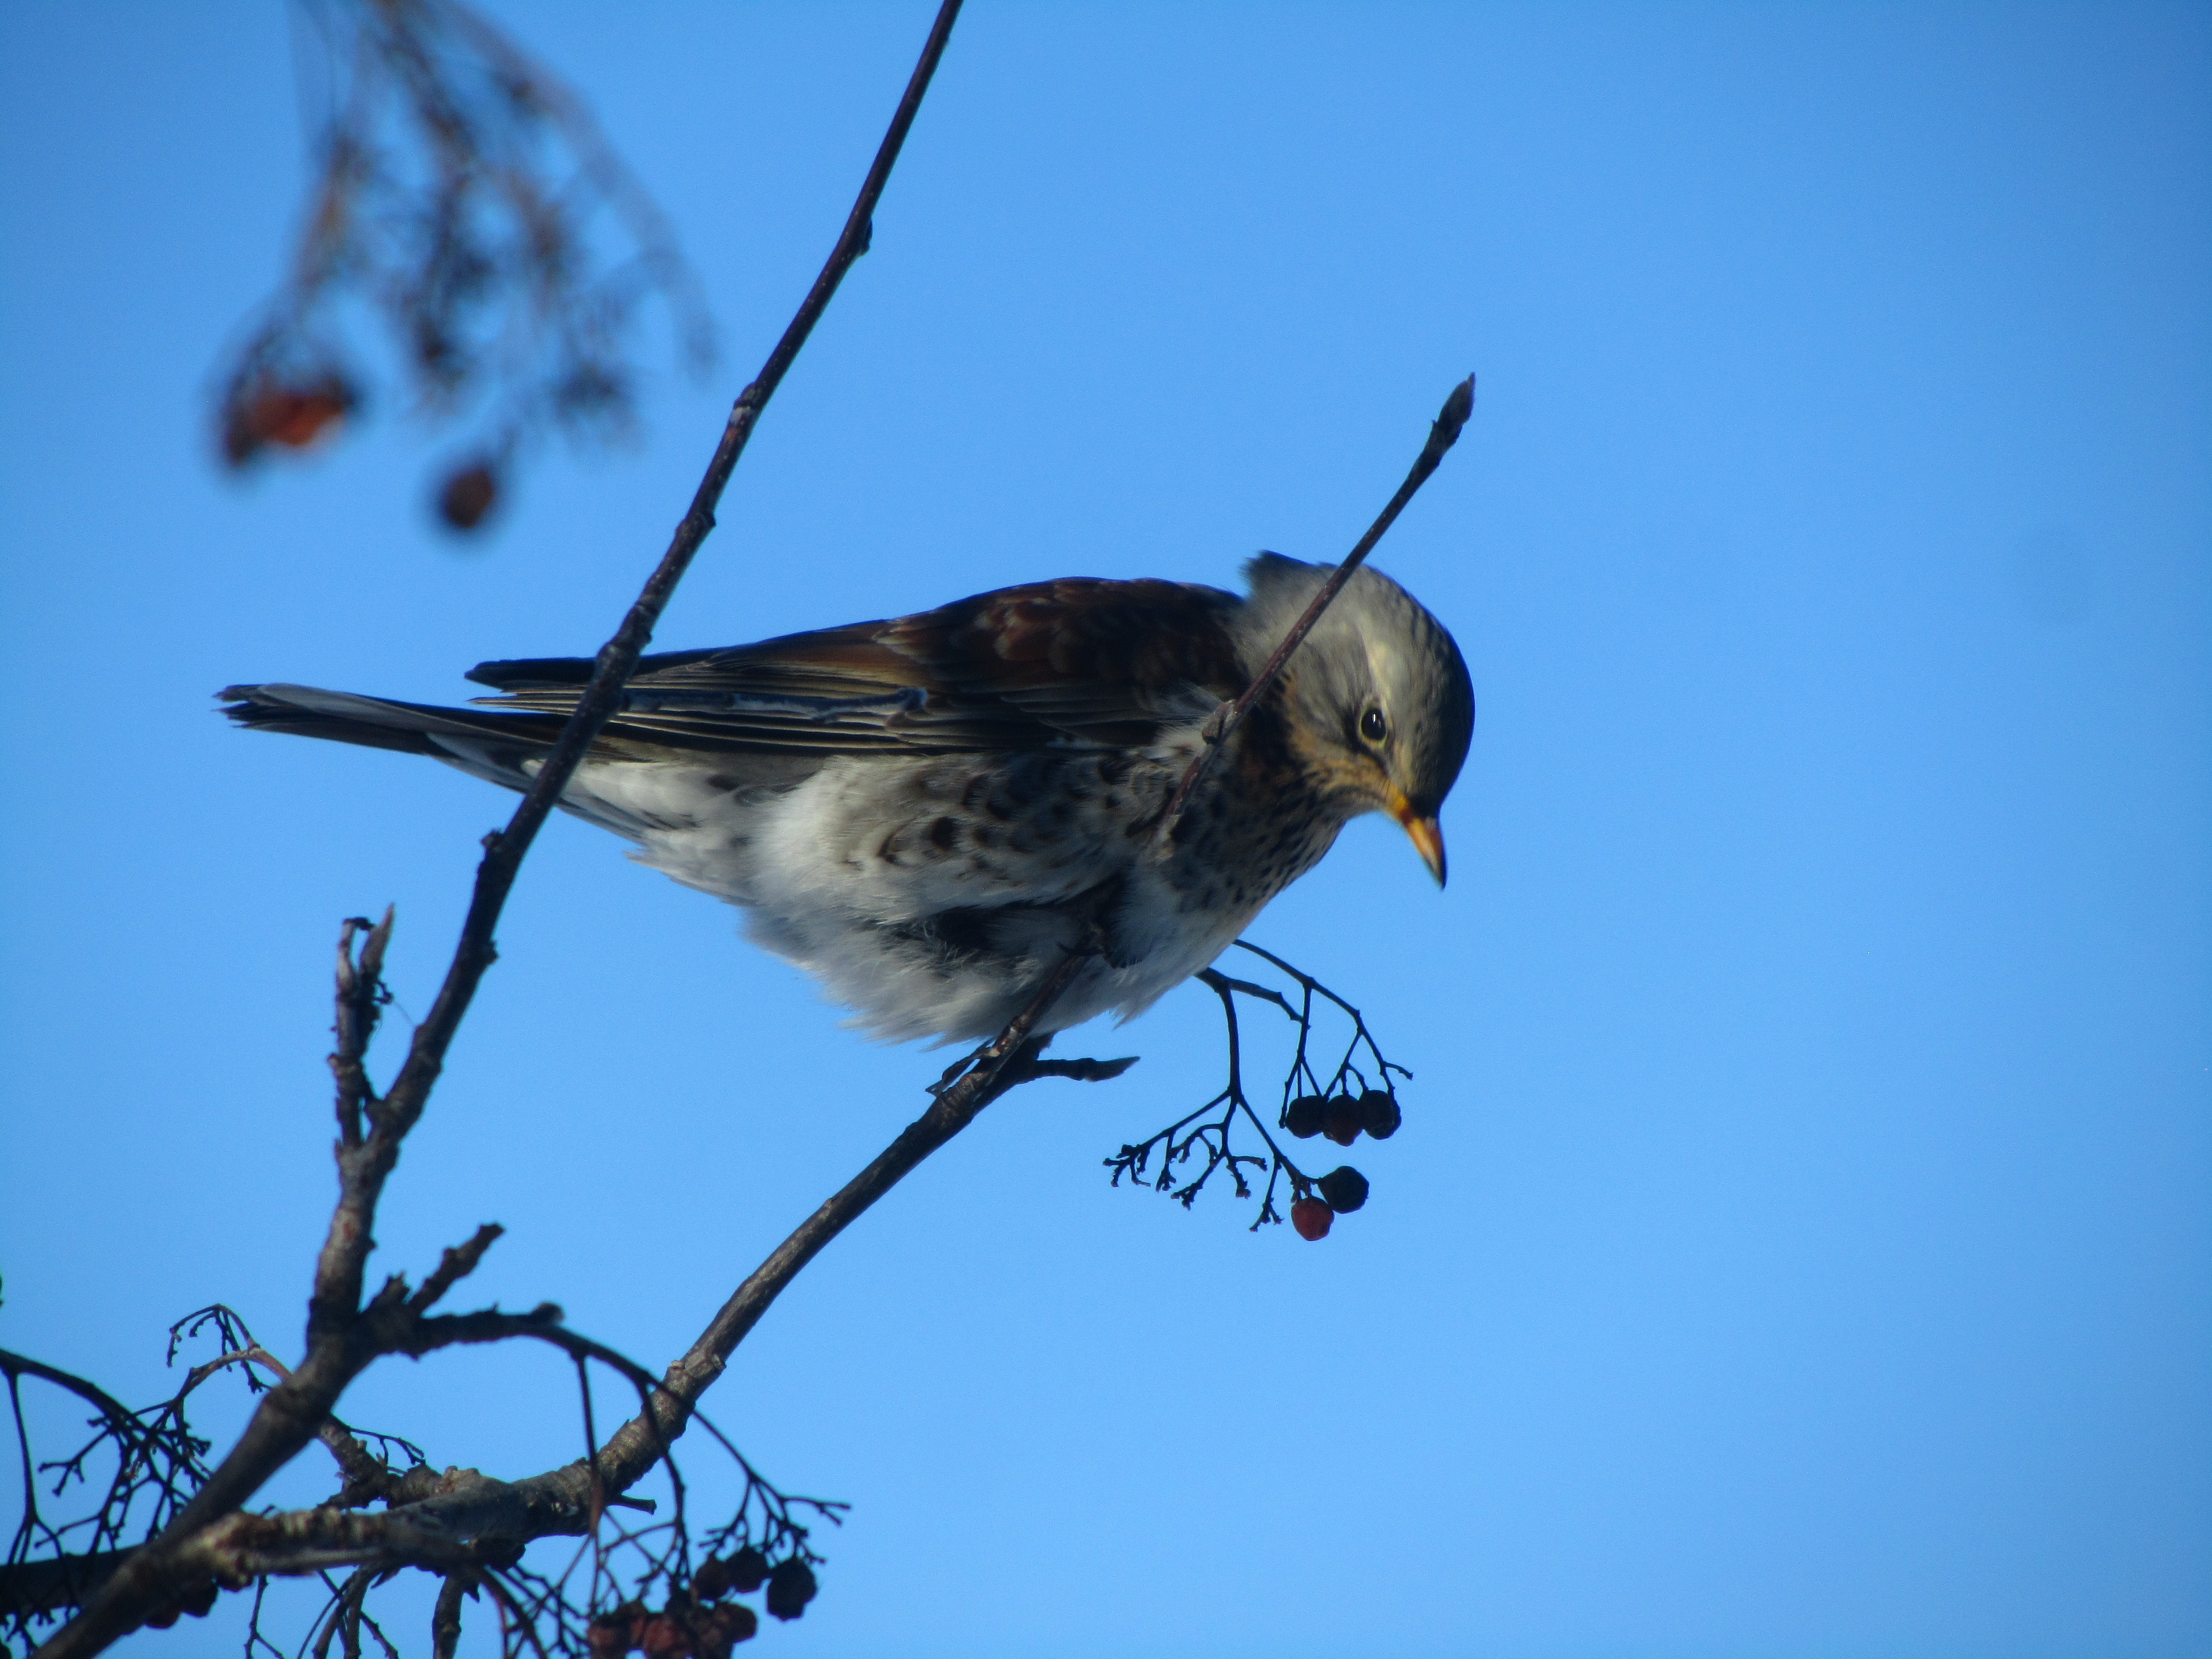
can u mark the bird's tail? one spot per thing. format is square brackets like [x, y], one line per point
[495, 747]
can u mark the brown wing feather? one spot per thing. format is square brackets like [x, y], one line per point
[1078, 660]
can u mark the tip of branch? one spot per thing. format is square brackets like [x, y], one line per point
[1084, 1071]
[1445, 432]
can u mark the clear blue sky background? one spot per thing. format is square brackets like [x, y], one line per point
[1800, 1237]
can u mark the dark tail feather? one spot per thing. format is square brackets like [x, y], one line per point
[411, 728]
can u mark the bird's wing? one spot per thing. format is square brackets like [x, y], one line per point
[1078, 661]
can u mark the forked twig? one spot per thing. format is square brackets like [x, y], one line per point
[1211, 1130]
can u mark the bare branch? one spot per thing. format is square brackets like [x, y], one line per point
[492, 1513]
[446, 1617]
[360, 1000]
[1082, 1070]
[34, 1589]
[455, 1265]
[1006, 1061]
[337, 1347]
[1443, 433]
[119, 1416]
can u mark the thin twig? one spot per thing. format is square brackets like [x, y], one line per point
[1443, 433]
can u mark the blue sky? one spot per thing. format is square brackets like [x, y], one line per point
[1801, 1235]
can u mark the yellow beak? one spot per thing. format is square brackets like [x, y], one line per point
[1427, 836]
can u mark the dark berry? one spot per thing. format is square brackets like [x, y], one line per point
[1303, 1117]
[711, 1582]
[1311, 1218]
[1378, 1114]
[747, 1569]
[1340, 1123]
[467, 496]
[665, 1637]
[1346, 1189]
[724, 1627]
[790, 1588]
[613, 1634]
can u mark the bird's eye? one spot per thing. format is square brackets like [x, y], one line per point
[1373, 726]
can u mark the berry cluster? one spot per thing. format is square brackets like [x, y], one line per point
[699, 1624]
[1343, 1118]
[1338, 1102]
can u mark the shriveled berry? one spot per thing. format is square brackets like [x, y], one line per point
[1346, 1189]
[612, 1634]
[1378, 1114]
[748, 1569]
[290, 416]
[790, 1588]
[467, 496]
[711, 1582]
[1303, 1117]
[666, 1638]
[1311, 1218]
[1340, 1123]
[720, 1630]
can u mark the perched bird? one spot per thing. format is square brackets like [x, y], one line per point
[929, 813]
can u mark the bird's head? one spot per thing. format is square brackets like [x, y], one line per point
[1379, 704]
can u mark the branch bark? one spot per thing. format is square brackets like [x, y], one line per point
[373, 1130]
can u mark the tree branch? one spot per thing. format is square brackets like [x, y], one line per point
[1008, 1060]
[456, 1523]
[294, 1410]
[446, 1617]
[292, 1413]
[1443, 433]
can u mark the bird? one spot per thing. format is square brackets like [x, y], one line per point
[931, 813]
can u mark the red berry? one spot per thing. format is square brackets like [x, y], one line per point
[1311, 1218]
[1341, 1122]
[610, 1635]
[290, 416]
[665, 1637]
[1378, 1114]
[1304, 1115]
[1346, 1189]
